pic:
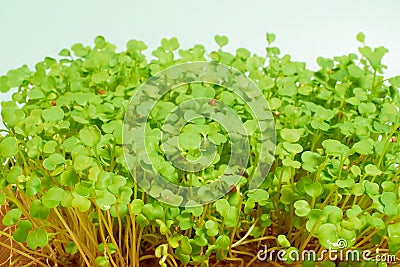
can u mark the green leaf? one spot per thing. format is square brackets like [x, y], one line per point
[79, 50]
[212, 228]
[223, 242]
[82, 162]
[221, 40]
[111, 247]
[80, 202]
[100, 42]
[388, 186]
[136, 206]
[105, 199]
[372, 170]
[135, 45]
[69, 178]
[374, 56]
[64, 53]
[366, 108]
[289, 88]
[258, 195]
[394, 232]
[270, 37]
[346, 183]
[292, 148]
[314, 190]
[355, 170]
[171, 198]
[364, 147]
[311, 160]
[170, 44]
[222, 206]
[153, 211]
[228, 98]
[250, 126]
[333, 214]
[8, 147]
[174, 240]
[327, 235]
[189, 140]
[291, 135]
[283, 242]
[355, 71]
[102, 261]
[16, 77]
[21, 233]
[302, 208]
[371, 188]
[12, 217]
[335, 147]
[50, 147]
[201, 239]
[33, 186]
[242, 53]
[291, 163]
[53, 114]
[37, 238]
[90, 136]
[14, 175]
[395, 81]
[325, 63]
[4, 87]
[202, 91]
[354, 211]
[357, 189]
[38, 210]
[184, 221]
[52, 161]
[100, 77]
[360, 37]
[193, 207]
[217, 138]
[389, 198]
[35, 94]
[53, 197]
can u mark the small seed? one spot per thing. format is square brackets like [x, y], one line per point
[213, 102]
[101, 92]
[53, 103]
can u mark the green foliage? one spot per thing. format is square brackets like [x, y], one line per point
[66, 185]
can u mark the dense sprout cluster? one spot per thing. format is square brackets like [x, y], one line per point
[68, 191]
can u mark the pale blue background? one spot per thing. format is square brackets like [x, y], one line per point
[31, 30]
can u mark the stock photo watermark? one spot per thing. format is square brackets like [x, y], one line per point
[338, 252]
[188, 144]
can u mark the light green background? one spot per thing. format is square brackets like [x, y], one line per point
[305, 29]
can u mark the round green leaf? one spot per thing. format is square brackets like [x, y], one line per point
[8, 147]
[221, 40]
[90, 136]
[38, 210]
[258, 195]
[302, 208]
[12, 217]
[53, 114]
[37, 238]
[291, 135]
[53, 197]
[105, 199]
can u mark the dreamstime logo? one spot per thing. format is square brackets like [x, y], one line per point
[340, 243]
[153, 151]
[338, 252]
